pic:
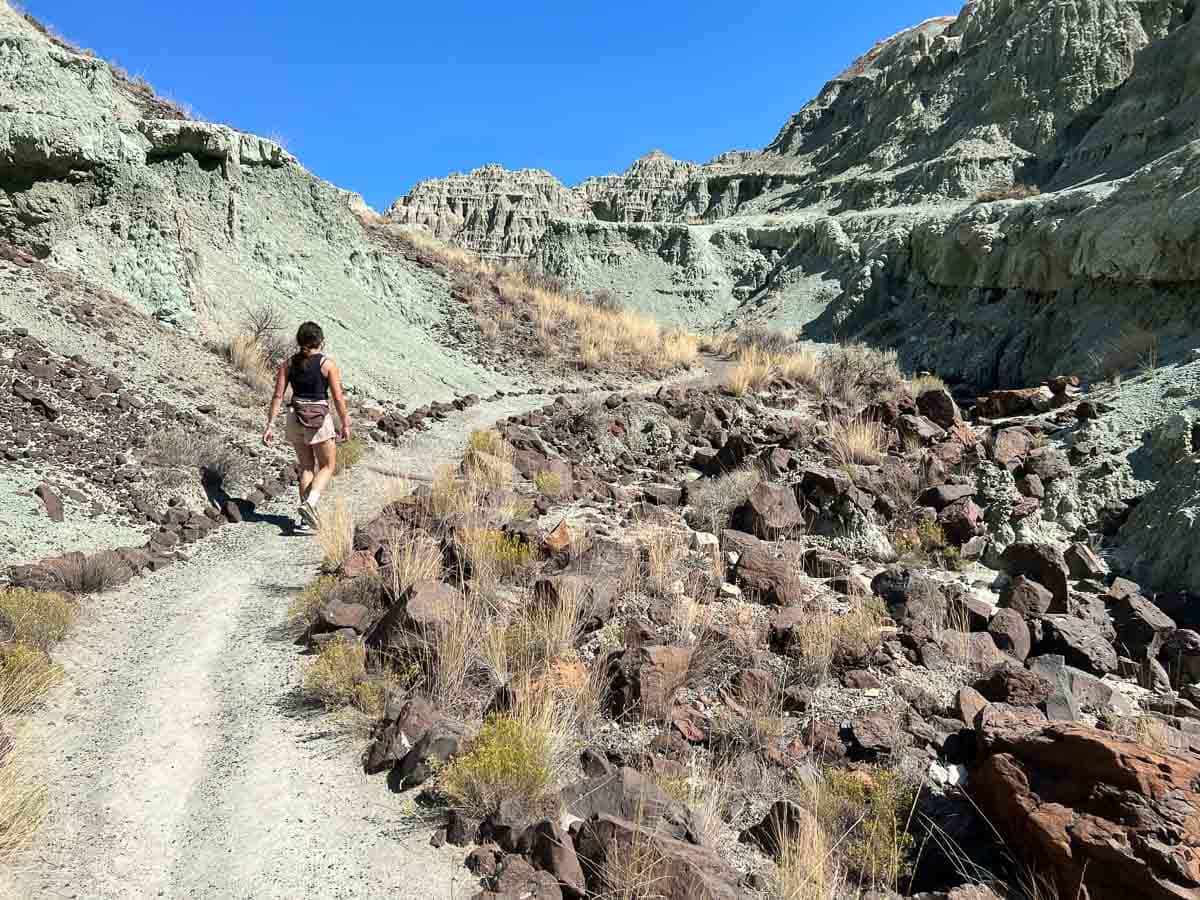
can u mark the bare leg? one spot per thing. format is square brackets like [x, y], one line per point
[326, 461]
[308, 467]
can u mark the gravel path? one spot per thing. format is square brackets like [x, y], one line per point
[183, 764]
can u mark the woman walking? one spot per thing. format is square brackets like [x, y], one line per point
[312, 376]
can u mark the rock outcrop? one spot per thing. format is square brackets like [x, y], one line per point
[491, 210]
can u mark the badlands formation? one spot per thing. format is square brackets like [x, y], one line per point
[893, 590]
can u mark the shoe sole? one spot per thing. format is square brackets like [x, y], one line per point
[310, 517]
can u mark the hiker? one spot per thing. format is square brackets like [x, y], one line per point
[312, 376]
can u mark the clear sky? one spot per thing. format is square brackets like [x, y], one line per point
[375, 95]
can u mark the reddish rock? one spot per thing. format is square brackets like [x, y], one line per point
[961, 521]
[1011, 634]
[1011, 683]
[1011, 445]
[1026, 597]
[51, 500]
[1003, 404]
[646, 679]
[770, 512]
[944, 494]
[1102, 817]
[358, 563]
[939, 407]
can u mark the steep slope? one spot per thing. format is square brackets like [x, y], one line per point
[194, 223]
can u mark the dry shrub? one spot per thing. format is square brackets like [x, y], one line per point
[548, 483]
[861, 441]
[23, 805]
[664, 552]
[856, 374]
[413, 555]
[173, 447]
[338, 680]
[349, 453]
[1017, 191]
[925, 543]
[712, 501]
[249, 360]
[81, 574]
[870, 812]
[488, 462]
[218, 462]
[304, 606]
[38, 618]
[26, 675]
[336, 535]
[803, 366]
[1132, 348]
[508, 759]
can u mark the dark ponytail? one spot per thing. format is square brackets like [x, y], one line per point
[309, 336]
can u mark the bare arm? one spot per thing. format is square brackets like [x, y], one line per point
[276, 403]
[339, 399]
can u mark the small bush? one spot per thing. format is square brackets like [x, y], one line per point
[219, 463]
[830, 638]
[803, 366]
[349, 453]
[1010, 192]
[762, 339]
[664, 552]
[873, 810]
[712, 501]
[753, 372]
[412, 556]
[337, 679]
[492, 550]
[925, 542]
[606, 300]
[548, 483]
[1133, 348]
[79, 574]
[508, 758]
[250, 361]
[855, 374]
[336, 535]
[23, 805]
[862, 441]
[26, 675]
[38, 618]
[174, 448]
[304, 606]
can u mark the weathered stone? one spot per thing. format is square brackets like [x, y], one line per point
[770, 512]
[939, 407]
[646, 679]
[1011, 634]
[1013, 684]
[1041, 563]
[1026, 597]
[1082, 562]
[1079, 642]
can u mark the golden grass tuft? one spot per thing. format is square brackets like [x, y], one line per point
[248, 358]
[712, 501]
[861, 441]
[79, 573]
[664, 552]
[38, 618]
[336, 534]
[350, 453]
[26, 676]
[413, 556]
[23, 803]
[828, 637]
[754, 371]
[926, 381]
[805, 869]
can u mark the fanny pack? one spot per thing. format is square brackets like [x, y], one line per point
[311, 415]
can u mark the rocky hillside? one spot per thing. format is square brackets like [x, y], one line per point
[1021, 176]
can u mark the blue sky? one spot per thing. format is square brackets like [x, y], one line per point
[375, 95]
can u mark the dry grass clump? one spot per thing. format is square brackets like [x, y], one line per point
[871, 811]
[828, 637]
[925, 381]
[805, 868]
[250, 361]
[23, 805]
[77, 573]
[548, 483]
[748, 338]
[664, 552]
[755, 370]
[413, 555]
[26, 675]
[925, 542]
[488, 462]
[712, 501]
[338, 680]
[861, 441]
[336, 535]
[217, 461]
[1017, 191]
[38, 618]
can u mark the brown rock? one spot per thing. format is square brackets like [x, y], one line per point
[1102, 816]
[1003, 404]
[559, 540]
[1026, 597]
[51, 500]
[1011, 445]
[1011, 634]
[770, 512]
[1042, 563]
[360, 562]
[646, 679]
[969, 703]
[1013, 684]
[961, 521]
[939, 407]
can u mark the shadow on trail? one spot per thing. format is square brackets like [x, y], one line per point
[220, 498]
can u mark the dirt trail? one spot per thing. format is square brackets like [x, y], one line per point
[183, 764]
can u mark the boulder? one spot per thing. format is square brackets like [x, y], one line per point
[440, 743]
[1013, 684]
[1082, 562]
[768, 578]
[552, 850]
[1181, 655]
[1047, 463]
[395, 734]
[1080, 642]
[516, 879]
[627, 793]
[1006, 403]
[1011, 634]
[961, 521]
[770, 512]
[646, 679]
[1011, 445]
[1042, 563]
[784, 822]
[425, 607]
[1139, 624]
[944, 494]
[51, 501]
[681, 871]
[1026, 597]
[938, 406]
[1100, 816]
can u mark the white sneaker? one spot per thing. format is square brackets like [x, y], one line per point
[308, 515]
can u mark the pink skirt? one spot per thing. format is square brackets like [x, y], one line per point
[299, 436]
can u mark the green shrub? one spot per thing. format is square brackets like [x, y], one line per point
[39, 618]
[508, 758]
[303, 608]
[872, 808]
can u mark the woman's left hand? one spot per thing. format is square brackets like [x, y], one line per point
[345, 435]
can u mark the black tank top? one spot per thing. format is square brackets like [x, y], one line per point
[307, 380]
